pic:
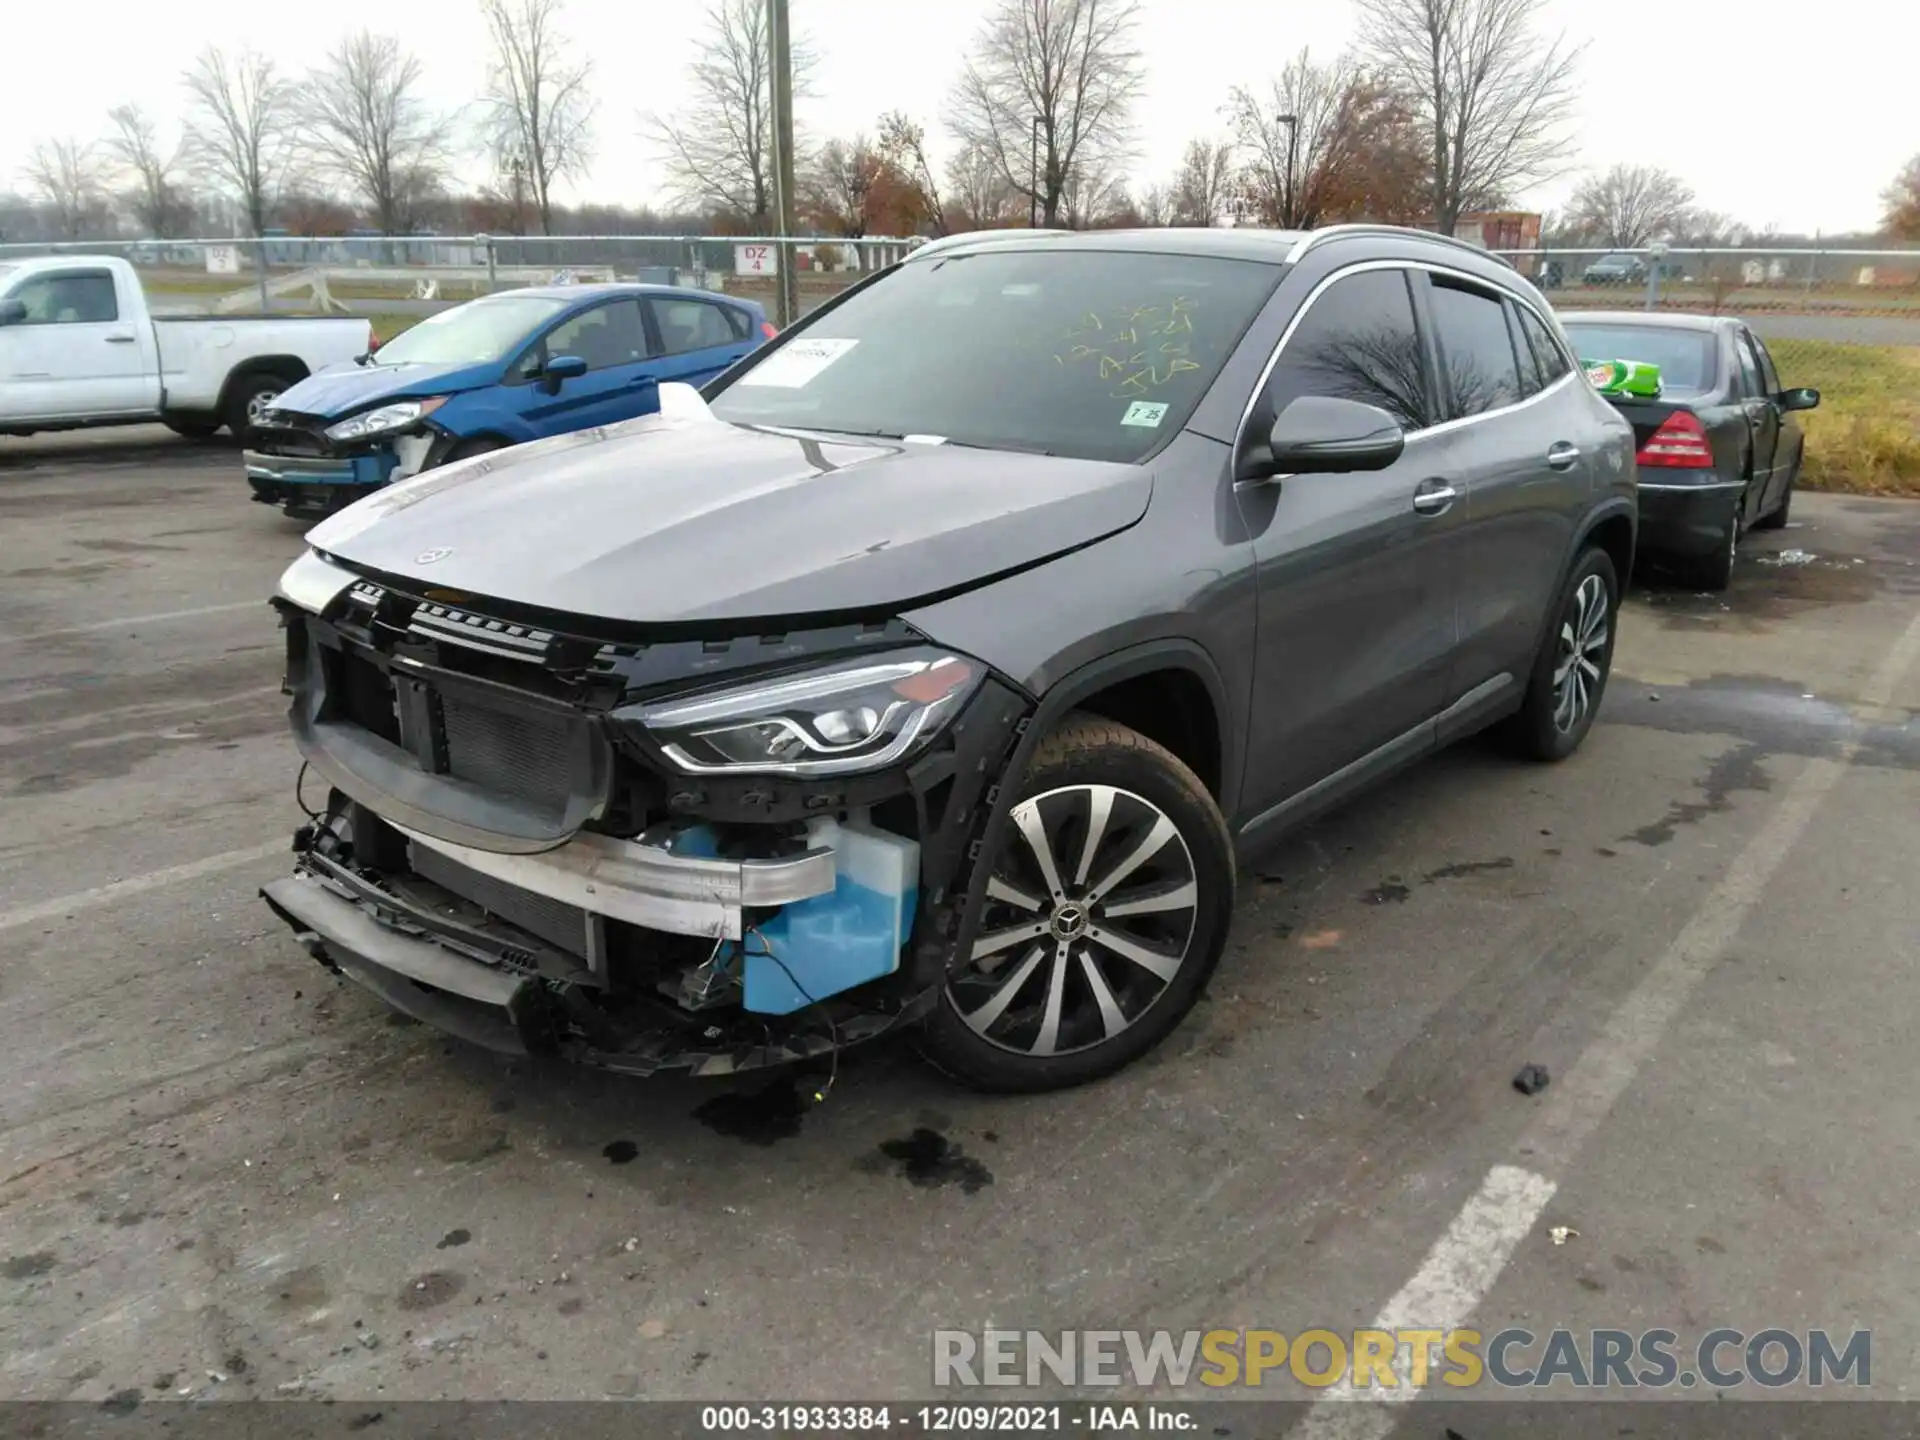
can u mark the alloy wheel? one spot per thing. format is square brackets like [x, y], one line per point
[1577, 672]
[1090, 913]
[259, 403]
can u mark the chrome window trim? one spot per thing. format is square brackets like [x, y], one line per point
[1432, 268]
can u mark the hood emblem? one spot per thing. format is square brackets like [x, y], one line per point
[428, 557]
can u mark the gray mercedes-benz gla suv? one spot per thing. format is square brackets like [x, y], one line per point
[936, 664]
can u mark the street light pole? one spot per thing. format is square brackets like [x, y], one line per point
[1033, 162]
[786, 282]
[1292, 122]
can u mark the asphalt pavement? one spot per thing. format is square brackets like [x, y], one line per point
[224, 1173]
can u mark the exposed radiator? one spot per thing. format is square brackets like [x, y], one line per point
[557, 923]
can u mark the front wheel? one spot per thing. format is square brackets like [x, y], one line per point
[1106, 911]
[1570, 672]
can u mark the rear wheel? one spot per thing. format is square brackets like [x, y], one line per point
[1715, 571]
[1570, 672]
[249, 397]
[1776, 519]
[1106, 911]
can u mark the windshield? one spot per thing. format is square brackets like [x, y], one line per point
[471, 334]
[1092, 354]
[1685, 357]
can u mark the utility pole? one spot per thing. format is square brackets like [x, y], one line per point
[787, 284]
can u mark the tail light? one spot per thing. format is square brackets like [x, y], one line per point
[767, 332]
[1679, 444]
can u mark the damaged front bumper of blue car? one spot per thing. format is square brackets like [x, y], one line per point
[517, 848]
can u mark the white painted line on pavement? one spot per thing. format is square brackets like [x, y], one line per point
[124, 620]
[62, 905]
[1466, 1261]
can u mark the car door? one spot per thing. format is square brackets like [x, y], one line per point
[1787, 438]
[622, 379]
[1516, 439]
[697, 338]
[72, 354]
[1762, 406]
[1356, 591]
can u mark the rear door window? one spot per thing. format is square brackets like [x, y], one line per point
[1547, 353]
[687, 325]
[1749, 366]
[1530, 381]
[1357, 341]
[1482, 371]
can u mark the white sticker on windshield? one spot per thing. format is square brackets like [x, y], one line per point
[796, 362]
[1143, 412]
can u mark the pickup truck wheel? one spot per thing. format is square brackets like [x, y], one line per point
[1106, 911]
[248, 399]
[1570, 672]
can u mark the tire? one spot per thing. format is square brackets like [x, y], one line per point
[1776, 518]
[467, 449]
[192, 429]
[1555, 716]
[1714, 572]
[997, 1026]
[247, 395]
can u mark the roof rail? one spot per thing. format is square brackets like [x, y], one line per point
[975, 237]
[1314, 237]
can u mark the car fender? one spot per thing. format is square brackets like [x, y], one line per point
[1053, 706]
[1609, 508]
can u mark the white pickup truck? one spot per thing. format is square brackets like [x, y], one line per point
[79, 348]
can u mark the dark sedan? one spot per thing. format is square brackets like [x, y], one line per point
[1719, 451]
[1620, 268]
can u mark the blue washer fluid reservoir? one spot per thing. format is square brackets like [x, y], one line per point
[847, 937]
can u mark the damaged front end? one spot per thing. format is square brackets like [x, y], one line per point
[707, 854]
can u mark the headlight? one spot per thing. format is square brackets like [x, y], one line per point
[863, 715]
[313, 583]
[396, 416]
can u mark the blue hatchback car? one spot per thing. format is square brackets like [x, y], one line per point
[512, 367]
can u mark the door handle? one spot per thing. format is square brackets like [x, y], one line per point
[1562, 455]
[120, 339]
[1434, 497]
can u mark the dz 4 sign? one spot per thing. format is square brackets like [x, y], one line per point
[756, 260]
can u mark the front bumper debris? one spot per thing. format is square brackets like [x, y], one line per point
[316, 483]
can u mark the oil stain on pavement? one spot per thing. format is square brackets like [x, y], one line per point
[929, 1160]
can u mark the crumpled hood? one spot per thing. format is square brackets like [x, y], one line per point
[337, 392]
[681, 518]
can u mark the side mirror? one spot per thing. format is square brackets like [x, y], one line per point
[563, 367]
[12, 312]
[1317, 434]
[1801, 399]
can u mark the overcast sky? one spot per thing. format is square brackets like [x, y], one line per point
[1795, 114]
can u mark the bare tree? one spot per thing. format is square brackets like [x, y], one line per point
[371, 131]
[978, 194]
[1902, 200]
[240, 127]
[1059, 77]
[150, 170]
[1628, 206]
[539, 114]
[1203, 184]
[904, 143]
[1494, 98]
[1156, 205]
[66, 175]
[719, 149]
